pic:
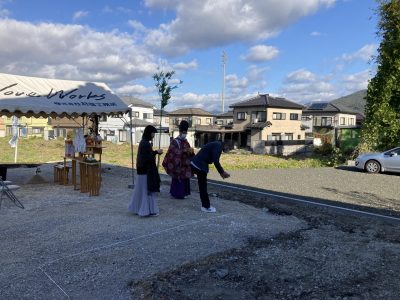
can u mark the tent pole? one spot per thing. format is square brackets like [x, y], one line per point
[131, 186]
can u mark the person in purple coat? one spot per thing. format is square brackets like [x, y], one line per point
[209, 154]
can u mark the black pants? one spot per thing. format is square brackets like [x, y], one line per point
[202, 181]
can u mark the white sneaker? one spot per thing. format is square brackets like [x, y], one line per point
[211, 209]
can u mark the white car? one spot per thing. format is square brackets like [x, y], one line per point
[388, 161]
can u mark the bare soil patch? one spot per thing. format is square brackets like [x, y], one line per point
[336, 257]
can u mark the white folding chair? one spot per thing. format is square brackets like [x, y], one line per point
[6, 189]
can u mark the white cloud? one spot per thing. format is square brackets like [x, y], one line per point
[300, 76]
[233, 81]
[261, 53]
[355, 82]
[364, 54]
[137, 25]
[203, 24]
[304, 86]
[134, 89]
[315, 33]
[185, 66]
[208, 102]
[72, 52]
[79, 15]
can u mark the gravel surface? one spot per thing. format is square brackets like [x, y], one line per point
[68, 245]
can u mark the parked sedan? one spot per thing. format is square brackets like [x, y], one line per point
[388, 161]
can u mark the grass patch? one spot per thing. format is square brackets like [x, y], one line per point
[37, 150]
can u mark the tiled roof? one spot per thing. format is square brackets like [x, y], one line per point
[157, 112]
[140, 123]
[129, 100]
[328, 107]
[265, 100]
[191, 111]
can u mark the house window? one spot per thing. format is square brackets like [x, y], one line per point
[147, 116]
[306, 118]
[122, 135]
[326, 121]
[36, 130]
[220, 122]
[258, 116]
[103, 118]
[111, 133]
[208, 121]
[60, 132]
[135, 114]
[342, 121]
[279, 116]
[166, 120]
[175, 121]
[241, 116]
[299, 137]
[289, 136]
[294, 116]
[276, 136]
[351, 121]
[198, 121]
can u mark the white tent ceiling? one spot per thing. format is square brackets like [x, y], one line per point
[33, 96]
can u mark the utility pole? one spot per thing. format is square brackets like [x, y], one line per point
[223, 79]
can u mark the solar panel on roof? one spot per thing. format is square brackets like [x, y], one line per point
[318, 105]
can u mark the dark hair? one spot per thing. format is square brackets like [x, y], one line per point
[183, 125]
[147, 132]
[225, 146]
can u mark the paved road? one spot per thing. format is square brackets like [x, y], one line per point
[339, 185]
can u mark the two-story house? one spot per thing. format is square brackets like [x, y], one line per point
[197, 118]
[260, 122]
[332, 123]
[116, 128]
[267, 118]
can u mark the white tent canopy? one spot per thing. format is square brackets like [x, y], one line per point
[42, 97]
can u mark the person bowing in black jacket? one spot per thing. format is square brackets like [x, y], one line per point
[208, 154]
[143, 201]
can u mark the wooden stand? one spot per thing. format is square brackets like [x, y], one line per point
[89, 172]
[61, 172]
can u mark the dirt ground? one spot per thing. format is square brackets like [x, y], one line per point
[337, 256]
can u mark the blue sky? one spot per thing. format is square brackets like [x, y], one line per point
[308, 50]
